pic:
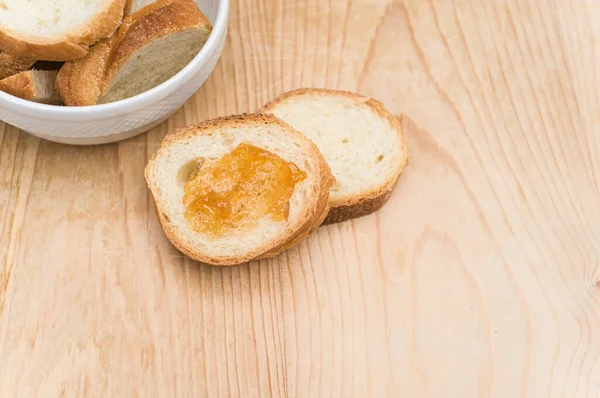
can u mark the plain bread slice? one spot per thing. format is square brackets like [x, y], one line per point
[362, 142]
[56, 30]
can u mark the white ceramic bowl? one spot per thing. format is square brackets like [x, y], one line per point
[119, 120]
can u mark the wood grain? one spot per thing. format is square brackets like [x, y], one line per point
[480, 277]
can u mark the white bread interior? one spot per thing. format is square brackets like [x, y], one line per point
[212, 140]
[56, 30]
[43, 82]
[51, 19]
[363, 144]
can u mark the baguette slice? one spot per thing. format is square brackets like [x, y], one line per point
[211, 140]
[32, 85]
[151, 46]
[10, 65]
[56, 30]
[362, 142]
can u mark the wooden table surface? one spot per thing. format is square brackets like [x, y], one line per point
[479, 278]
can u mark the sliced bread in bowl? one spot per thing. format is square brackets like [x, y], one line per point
[11, 65]
[56, 30]
[158, 45]
[33, 85]
[362, 142]
[169, 176]
[151, 46]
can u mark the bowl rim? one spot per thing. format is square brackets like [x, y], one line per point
[128, 105]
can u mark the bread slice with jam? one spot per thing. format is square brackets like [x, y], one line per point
[238, 188]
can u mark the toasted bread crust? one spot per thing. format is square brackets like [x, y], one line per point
[19, 85]
[83, 81]
[307, 222]
[357, 209]
[79, 82]
[73, 46]
[10, 65]
[368, 202]
[62, 51]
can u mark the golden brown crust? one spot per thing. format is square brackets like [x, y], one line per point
[83, 81]
[357, 209]
[62, 51]
[19, 85]
[73, 46]
[307, 222]
[79, 82]
[10, 65]
[367, 202]
[104, 26]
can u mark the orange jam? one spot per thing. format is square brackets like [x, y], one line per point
[234, 192]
